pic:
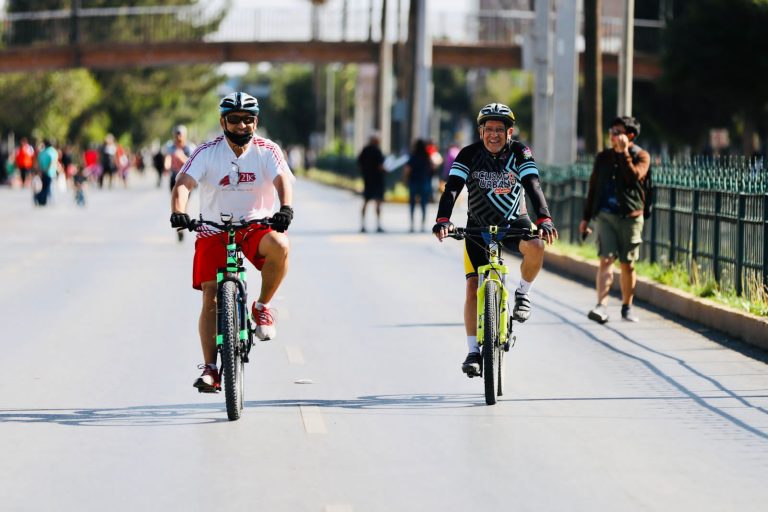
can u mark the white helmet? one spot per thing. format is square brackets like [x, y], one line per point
[498, 112]
[239, 102]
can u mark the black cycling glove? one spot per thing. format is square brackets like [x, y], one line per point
[547, 226]
[180, 220]
[282, 219]
[442, 223]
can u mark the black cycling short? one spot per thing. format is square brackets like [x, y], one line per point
[475, 249]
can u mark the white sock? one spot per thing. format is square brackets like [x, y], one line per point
[472, 344]
[261, 306]
[212, 366]
[524, 286]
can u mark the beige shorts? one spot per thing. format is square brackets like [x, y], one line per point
[619, 237]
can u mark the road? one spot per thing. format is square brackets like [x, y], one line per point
[359, 404]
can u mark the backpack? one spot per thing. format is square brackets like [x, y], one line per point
[646, 185]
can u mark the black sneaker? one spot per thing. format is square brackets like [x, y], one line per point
[471, 365]
[626, 314]
[599, 314]
[522, 310]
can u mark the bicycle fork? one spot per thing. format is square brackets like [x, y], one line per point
[502, 300]
[235, 272]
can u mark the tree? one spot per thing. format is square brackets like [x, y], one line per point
[137, 105]
[286, 102]
[714, 62]
[45, 104]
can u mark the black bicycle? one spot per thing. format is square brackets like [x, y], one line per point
[234, 331]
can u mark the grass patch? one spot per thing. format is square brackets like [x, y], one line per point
[677, 276]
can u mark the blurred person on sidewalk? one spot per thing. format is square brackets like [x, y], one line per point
[615, 200]
[370, 161]
[417, 175]
[48, 167]
[25, 160]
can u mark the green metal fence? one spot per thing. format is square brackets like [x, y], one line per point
[710, 215]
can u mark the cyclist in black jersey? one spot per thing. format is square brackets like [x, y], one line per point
[497, 172]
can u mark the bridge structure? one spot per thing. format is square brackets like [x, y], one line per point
[125, 37]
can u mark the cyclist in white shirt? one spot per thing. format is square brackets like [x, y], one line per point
[245, 175]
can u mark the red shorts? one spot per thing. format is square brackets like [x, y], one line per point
[211, 252]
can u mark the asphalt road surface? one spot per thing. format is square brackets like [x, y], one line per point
[359, 404]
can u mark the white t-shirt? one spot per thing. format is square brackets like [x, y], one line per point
[242, 186]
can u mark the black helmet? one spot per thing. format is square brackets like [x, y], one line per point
[631, 124]
[498, 112]
[239, 102]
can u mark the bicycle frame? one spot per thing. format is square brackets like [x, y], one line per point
[496, 271]
[235, 271]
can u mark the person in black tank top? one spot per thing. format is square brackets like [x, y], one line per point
[497, 172]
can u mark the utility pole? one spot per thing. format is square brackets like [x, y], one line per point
[384, 90]
[626, 60]
[593, 77]
[422, 72]
[565, 98]
[542, 98]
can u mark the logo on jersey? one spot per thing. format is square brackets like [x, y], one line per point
[245, 177]
[499, 182]
[527, 154]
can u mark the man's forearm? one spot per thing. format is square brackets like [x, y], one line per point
[284, 190]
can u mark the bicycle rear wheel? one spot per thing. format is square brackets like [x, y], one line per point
[491, 341]
[232, 367]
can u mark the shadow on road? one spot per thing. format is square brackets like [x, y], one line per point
[689, 370]
[195, 414]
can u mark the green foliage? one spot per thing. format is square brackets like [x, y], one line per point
[679, 277]
[137, 105]
[144, 104]
[45, 104]
[288, 113]
[515, 89]
[713, 57]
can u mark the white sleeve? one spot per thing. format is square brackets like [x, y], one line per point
[275, 163]
[195, 166]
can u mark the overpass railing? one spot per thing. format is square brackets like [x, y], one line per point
[210, 21]
[710, 215]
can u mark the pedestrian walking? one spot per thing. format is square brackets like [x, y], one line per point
[417, 174]
[370, 161]
[615, 200]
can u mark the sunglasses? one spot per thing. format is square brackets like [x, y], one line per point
[617, 131]
[232, 119]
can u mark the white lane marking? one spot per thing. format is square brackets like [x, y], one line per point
[338, 508]
[295, 356]
[313, 420]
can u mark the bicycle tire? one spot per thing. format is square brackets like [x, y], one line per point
[231, 359]
[490, 341]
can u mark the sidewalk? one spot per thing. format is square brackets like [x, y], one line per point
[749, 328]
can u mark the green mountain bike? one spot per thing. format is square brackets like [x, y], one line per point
[234, 331]
[494, 325]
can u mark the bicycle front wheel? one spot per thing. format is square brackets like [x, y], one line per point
[491, 341]
[232, 367]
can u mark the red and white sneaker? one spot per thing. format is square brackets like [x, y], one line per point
[209, 381]
[265, 322]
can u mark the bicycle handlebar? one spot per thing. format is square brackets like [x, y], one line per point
[459, 233]
[196, 223]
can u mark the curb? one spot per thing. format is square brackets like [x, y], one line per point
[749, 328]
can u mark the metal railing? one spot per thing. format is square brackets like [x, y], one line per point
[331, 23]
[710, 215]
